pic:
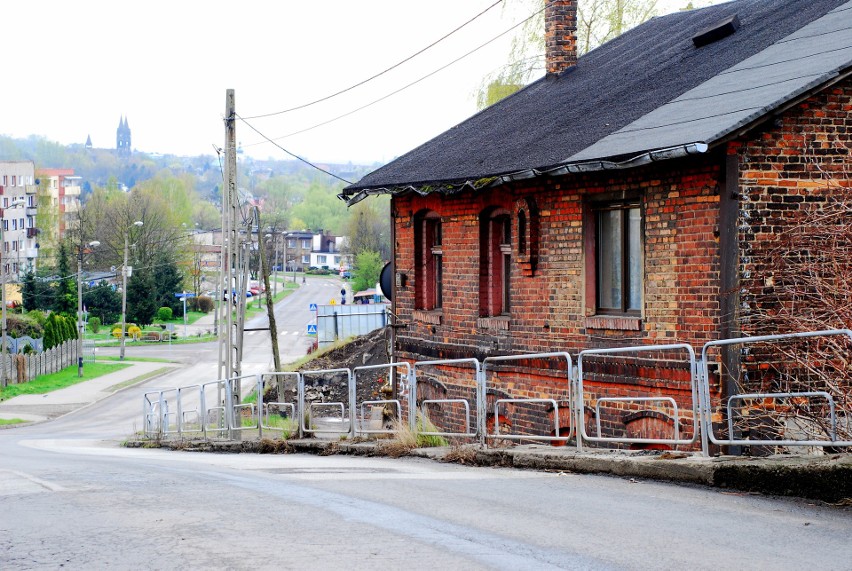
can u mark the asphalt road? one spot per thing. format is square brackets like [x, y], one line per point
[72, 497]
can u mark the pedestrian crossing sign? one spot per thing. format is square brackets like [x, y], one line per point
[312, 328]
[312, 307]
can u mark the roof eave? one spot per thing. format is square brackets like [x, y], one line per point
[453, 187]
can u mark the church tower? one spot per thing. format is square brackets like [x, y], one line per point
[122, 138]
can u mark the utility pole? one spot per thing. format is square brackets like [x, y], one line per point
[229, 360]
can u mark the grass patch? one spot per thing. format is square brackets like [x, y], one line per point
[137, 359]
[191, 317]
[8, 421]
[405, 440]
[112, 342]
[139, 379]
[64, 378]
[294, 365]
[284, 289]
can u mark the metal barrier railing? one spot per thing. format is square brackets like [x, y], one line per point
[806, 394]
[479, 398]
[182, 411]
[157, 414]
[694, 390]
[281, 404]
[557, 436]
[668, 400]
[350, 384]
[220, 415]
[150, 414]
[732, 440]
[234, 417]
[160, 420]
[362, 419]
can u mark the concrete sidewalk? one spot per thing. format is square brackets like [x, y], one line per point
[827, 478]
[36, 408]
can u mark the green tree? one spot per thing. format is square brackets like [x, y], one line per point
[50, 332]
[321, 209]
[65, 294]
[168, 279]
[69, 327]
[141, 297]
[35, 291]
[368, 266]
[103, 302]
[368, 227]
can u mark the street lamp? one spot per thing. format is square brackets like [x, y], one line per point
[124, 288]
[15, 203]
[81, 325]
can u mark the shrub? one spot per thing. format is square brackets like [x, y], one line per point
[50, 335]
[38, 316]
[165, 314]
[134, 331]
[21, 325]
[69, 328]
[205, 304]
[95, 324]
[116, 330]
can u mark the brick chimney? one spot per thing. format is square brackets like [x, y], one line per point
[560, 35]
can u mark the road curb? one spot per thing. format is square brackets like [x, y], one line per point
[825, 478]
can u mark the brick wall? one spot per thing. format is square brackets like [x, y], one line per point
[552, 306]
[784, 171]
[550, 310]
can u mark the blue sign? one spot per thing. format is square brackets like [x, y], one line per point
[186, 294]
[312, 328]
[313, 307]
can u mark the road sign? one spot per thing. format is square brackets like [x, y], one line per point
[185, 294]
[332, 302]
[312, 307]
[312, 328]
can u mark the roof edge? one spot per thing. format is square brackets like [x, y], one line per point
[450, 187]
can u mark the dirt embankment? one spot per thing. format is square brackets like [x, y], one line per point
[370, 349]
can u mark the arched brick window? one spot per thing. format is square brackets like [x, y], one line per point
[495, 262]
[429, 267]
[527, 216]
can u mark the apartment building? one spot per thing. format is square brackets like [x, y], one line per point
[18, 208]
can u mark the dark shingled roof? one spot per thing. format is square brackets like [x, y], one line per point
[648, 89]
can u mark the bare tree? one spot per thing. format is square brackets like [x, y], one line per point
[598, 21]
[807, 287]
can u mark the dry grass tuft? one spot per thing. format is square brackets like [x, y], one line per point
[461, 455]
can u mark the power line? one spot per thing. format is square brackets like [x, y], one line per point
[295, 156]
[386, 96]
[381, 73]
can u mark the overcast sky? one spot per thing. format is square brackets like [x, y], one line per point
[73, 69]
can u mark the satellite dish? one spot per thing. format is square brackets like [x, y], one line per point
[386, 281]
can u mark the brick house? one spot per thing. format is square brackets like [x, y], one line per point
[627, 198]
